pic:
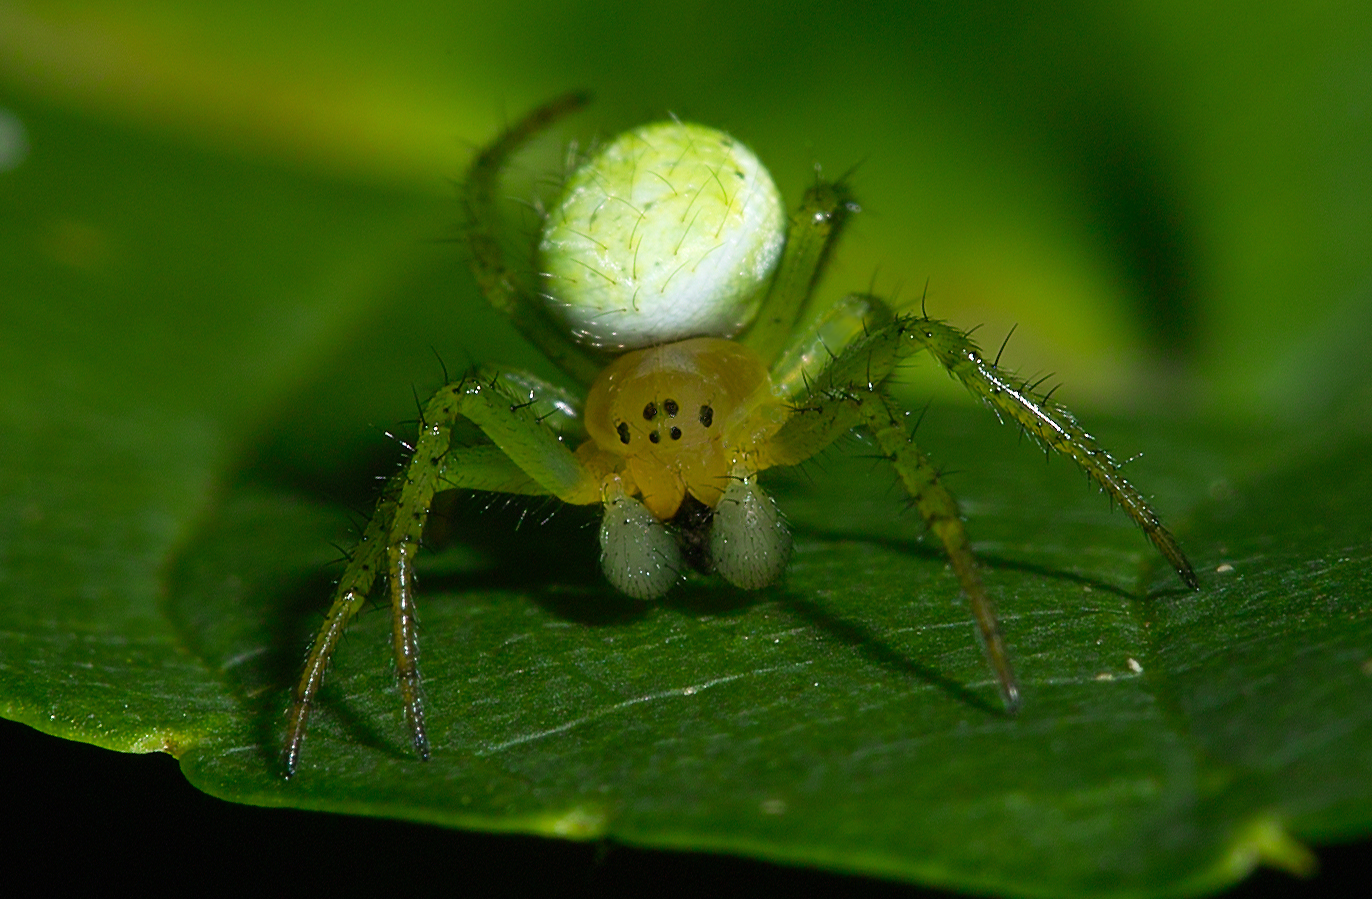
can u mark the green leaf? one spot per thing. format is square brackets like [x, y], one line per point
[845, 719]
[200, 350]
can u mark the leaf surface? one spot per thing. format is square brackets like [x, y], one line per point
[200, 355]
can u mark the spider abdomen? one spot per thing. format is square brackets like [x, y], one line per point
[669, 231]
[682, 415]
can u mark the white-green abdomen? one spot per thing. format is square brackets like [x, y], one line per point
[667, 232]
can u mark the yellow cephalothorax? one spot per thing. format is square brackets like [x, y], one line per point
[683, 417]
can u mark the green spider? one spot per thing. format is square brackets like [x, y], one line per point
[673, 288]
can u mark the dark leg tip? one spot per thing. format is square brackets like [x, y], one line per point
[289, 759]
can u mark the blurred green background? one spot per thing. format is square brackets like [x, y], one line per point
[1170, 199]
[211, 212]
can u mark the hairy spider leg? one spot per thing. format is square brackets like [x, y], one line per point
[849, 392]
[1047, 421]
[939, 509]
[501, 284]
[353, 589]
[814, 229]
[507, 409]
[866, 363]
[850, 319]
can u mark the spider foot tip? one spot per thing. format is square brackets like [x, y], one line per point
[1012, 702]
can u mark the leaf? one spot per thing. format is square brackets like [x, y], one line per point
[198, 357]
[844, 719]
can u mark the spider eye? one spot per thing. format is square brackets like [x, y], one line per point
[640, 409]
[667, 232]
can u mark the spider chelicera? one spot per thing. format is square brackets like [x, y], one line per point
[674, 288]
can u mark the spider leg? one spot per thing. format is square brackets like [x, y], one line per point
[352, 591]
[833, 405]
[868, 362]
[502, 285]
[850, 319]
[813, 230]
[535, 461]
[486, 467]
[847, 391]
[885, 420]
[1043, 419]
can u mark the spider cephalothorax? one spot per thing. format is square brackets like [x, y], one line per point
[673, 288]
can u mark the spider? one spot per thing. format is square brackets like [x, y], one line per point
[674, 288]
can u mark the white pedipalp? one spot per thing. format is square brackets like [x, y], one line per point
[749, 541]
[638, 555]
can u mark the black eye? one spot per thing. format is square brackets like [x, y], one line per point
[671, 408]
[623, 432]
[655, 437]
[650, 411]
[707, 416]
[676, 433]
